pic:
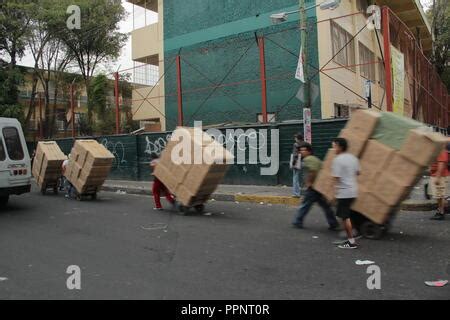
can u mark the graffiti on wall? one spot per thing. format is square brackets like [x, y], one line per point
[118, 150]
[156, 146]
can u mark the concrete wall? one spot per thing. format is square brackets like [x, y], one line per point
[132, 153]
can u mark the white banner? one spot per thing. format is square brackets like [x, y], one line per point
[300, 73]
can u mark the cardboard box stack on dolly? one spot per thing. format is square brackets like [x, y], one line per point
[394, 151]
[89, 166]
[194, 179]
[47, 166]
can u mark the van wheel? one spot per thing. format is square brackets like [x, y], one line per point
[4, 201]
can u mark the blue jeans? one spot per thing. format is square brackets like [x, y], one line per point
[70, 189]
[312, 196]
[297, 182]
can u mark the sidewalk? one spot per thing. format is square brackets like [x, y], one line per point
[260, 194]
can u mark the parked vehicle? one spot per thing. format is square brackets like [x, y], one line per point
[15, 164]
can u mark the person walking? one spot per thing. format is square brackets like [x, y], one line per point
[311, 168]
[70, 189]
[295, 165]
[159, 187]
[438, 183]
[345, 169]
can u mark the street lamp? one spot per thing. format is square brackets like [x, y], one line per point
[282, 16]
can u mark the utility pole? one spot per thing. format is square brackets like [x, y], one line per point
[304, 50]
[72, 108]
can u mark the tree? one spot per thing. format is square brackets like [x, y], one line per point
[99, 90]
[99, 39]
[439, 14]
[14, 27]
[126, 91]
[8, 105]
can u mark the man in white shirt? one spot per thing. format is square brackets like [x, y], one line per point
[345, 169]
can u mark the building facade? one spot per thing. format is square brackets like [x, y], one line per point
[226, 62]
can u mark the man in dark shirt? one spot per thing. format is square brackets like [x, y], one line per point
[296, 166]
[311, 167]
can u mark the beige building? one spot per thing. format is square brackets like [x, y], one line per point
[362, 58]
[148, 55]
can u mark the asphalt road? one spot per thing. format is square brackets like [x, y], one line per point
[237, 251]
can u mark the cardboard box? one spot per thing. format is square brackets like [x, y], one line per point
[152, 127]
[364, 122]
[368, 175]
[328, 161]
[423, 147]
[391, 190]
[356, 142]
[403, 170]
[192, 183]
[89, 165]
[372, 207]
[47, 164]
[377, 155]
[324, 184]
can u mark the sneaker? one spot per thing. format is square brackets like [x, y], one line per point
[158, 209]
[298, 225]
[347, 245]
[438, 216]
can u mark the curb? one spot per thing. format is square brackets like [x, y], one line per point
[409, 205]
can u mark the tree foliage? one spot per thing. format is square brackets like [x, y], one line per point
[438, 14]
[99, 39]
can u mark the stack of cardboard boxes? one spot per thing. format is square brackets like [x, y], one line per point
[387, 174]
[89, 165]
[193, 167]
[47, 163]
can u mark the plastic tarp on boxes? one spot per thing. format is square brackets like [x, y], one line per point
[191, 182]
[393, 129]
[89, 165]
[47, 162]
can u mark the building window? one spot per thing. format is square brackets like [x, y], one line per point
[341, 111]
[339, 40]
[367, 62]
[381, 73]
[145, 74]
[271, 117]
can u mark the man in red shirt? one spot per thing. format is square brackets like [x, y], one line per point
[159, 187]
[438, 183]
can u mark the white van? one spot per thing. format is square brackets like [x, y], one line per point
[15, 164]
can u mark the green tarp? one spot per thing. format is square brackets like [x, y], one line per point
[392, 129]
